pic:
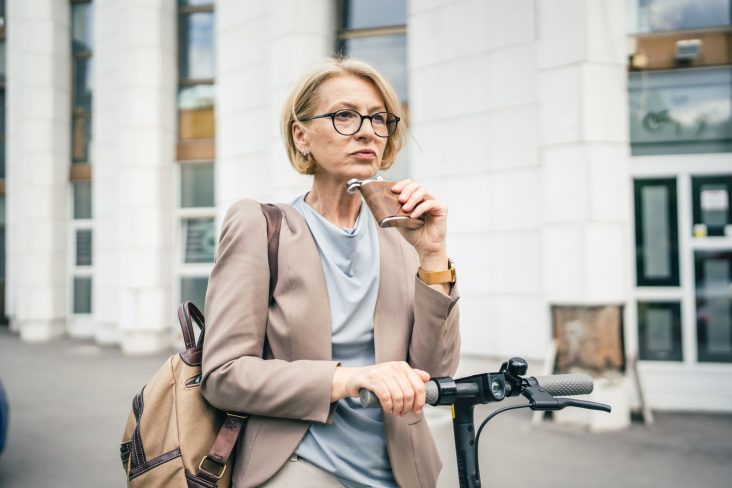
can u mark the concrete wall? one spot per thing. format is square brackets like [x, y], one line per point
[527, 142]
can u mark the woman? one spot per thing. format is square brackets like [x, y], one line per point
[349, 310]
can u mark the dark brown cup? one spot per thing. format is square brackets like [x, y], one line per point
[385, 204]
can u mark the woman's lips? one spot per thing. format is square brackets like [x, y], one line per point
[364, 155]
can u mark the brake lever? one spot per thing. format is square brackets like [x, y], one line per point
[571, 402]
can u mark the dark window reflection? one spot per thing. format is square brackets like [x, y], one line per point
[194, 289]
[659, 331]
[361, 14]
[2, 157]
[667, 15]
[2, 110]
[82, 26]
[196, 46]
[194, 3]
[197, 185]
[84, 247]
[83, 79]
[656, 232]
[200, 240]
[679, 112]
[388, 54]
[2, 61]
[82, 200]
[81, 138]
[713, 274]
[712, 205]
[82, 294]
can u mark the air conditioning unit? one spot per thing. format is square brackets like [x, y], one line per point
[688, 50]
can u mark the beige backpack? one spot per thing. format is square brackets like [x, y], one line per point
[173, 436]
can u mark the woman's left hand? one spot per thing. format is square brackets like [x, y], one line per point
[428, 240]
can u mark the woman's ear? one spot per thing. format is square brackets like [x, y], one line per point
[300, 137]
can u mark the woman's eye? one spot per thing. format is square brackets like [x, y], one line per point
[344, 115]
[379, 119]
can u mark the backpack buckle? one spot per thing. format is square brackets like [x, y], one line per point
[214, 464]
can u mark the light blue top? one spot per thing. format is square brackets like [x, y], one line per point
[353, 447]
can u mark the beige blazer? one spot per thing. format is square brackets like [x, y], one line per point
[290, 388]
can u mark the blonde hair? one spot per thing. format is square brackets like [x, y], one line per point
[304, 99]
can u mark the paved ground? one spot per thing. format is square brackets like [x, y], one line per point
[69, 401]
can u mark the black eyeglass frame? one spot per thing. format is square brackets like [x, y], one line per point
[332, 117]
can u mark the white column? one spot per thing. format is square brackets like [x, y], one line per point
[106, 145]
[584, 151]
[262, 48]
[38, 160]
[143, 123]
[301, 35]
[584, 162]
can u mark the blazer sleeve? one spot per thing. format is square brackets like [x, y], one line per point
[435, 343]
[235, 377]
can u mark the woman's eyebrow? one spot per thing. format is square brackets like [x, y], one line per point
[344, 104]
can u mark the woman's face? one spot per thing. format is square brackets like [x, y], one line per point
[335, 155]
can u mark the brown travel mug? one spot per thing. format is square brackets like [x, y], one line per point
[383, 203]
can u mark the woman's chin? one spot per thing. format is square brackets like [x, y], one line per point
[363, 172]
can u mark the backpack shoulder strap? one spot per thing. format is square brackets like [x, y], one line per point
[212, 466]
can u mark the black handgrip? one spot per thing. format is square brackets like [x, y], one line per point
[566, 384]
[369, 400]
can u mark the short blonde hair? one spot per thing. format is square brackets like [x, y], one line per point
[304, 99]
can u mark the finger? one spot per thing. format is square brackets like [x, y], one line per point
[397, 188]
[419, 391]
[397, 396]
[408, 393]
[382, 392]
[408, 190]
[423, 375]
[434, 208]
[419, 195]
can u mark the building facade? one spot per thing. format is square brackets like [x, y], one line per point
[583, 148]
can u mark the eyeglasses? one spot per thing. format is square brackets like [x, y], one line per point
[347, 122]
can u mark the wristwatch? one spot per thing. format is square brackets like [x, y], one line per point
[437, 277]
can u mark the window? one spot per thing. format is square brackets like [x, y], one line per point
[375, 31]
[713, 275]
[2, 93]
[195, 153]
[2, 162]
[82, 295]
[712, 210]
[82, 233]
[656, 232]
[197, 184]
[194, 289]
[82, 45]
[196, 67]
[2, 258]
[659, 331]
[680, 112]
[671, 15]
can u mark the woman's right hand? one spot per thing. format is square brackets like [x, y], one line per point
[399, 387]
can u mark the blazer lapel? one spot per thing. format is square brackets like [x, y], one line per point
[311, 319]
[391, 301]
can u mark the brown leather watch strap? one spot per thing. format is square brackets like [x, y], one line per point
[437, 277]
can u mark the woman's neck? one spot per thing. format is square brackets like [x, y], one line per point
[331, 200]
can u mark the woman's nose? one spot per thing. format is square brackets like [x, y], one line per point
[366, 130]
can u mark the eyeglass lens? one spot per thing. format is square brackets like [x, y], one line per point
[348, 122]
